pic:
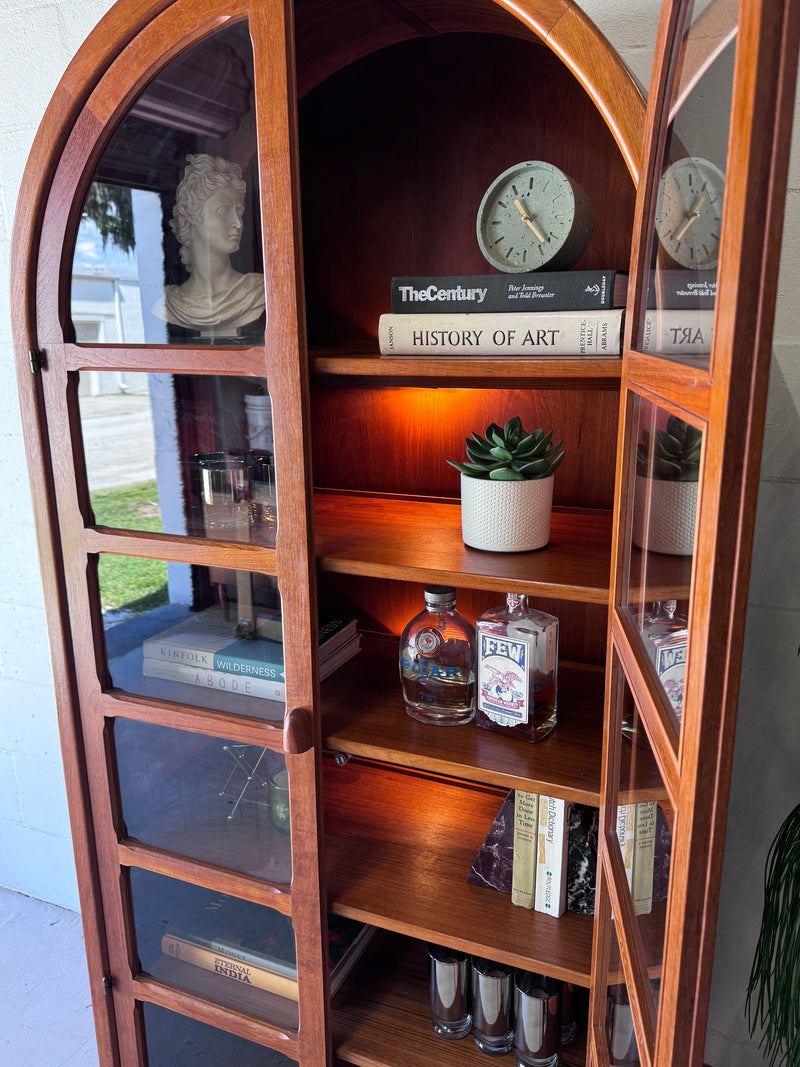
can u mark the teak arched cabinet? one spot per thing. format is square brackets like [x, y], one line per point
[232, 821]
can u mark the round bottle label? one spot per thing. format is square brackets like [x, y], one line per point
[428, 642]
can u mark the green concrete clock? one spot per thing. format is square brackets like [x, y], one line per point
[534, 216]
[688, 217]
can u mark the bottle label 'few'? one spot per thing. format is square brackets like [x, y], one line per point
[502, 678]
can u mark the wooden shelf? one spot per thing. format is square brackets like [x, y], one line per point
[381, 1018]
[566, 764]
[420, 540]
[395, 872]
[565, 373]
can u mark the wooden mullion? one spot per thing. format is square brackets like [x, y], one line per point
[232, 555]
[186, 869]
[681, 386]
[222, 1017]
[232, 361]
[251, 731]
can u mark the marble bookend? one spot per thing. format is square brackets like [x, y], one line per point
[493, 864]
[582, 858]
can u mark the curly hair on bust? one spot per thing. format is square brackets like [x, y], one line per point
[204, 176]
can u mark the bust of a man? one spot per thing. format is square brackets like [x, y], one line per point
[216, 299]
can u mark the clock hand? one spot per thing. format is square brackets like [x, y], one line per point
[694, 215]
[528, 220]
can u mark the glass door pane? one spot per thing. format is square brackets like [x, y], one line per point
[180, 454]
[686, 222]
[216, 946]
[183, 1042]
[660, 557]
[169, 246]
[209, 798]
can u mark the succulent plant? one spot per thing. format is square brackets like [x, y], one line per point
[671, 455]
[510, 454]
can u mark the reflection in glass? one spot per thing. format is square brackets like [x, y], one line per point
[180, 454]
[205, 797]
[207, 636]
[184, 1042]
[663, 534]
[687, 213]
[215, 945]
[168, 248]
[216, 301]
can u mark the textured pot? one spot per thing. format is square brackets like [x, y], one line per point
[506, 516]
[669, 524]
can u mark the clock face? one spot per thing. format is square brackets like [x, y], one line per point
[534, 216]
[688, 217]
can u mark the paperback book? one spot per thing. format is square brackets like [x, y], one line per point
[573, 290]
[523, 872]
[243, 684]
[551, 856]
[206, 640]
[254, 946]
[538, 334]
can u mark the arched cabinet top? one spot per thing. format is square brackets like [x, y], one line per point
[134, 41]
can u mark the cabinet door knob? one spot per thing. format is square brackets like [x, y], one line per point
[298, 737]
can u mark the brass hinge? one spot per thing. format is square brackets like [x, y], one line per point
[36, 357]
[107, 985]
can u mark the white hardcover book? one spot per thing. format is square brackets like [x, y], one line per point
[523, 868]
[626, 829]
[543, 333]
[551, 856]
[643, 856]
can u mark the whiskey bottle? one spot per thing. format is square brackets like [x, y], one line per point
[666, 633]
[437, 662]
[517, 648]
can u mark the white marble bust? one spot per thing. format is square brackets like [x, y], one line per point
[207, 221]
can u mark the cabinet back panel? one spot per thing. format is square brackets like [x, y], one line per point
[396, 153]
[398, 440]
[383, 607]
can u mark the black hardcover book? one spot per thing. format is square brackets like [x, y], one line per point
[568, 290]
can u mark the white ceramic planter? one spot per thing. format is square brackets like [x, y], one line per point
[668, 524]
[506, 516]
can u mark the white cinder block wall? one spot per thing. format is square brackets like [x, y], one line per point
[37, 40]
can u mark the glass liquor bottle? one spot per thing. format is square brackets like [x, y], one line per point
[666, 633]
[517, 649]
[437, 662]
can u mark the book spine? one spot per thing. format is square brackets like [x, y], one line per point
[227, 966]
[672, 332]
[246, 685]
[643, 857]
[548, 334]
[551, 857]
[523, 866]
[626, 829]
[503, 293]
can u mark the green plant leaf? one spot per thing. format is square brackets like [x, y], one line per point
[502, 453]
[505, 474]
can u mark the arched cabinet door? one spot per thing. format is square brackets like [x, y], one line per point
[695, 367]
[160, 242]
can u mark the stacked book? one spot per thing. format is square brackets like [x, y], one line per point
[203, 650]
[250, 945]
[543, 851]
[542, 314]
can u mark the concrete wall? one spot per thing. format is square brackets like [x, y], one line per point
[37, 40]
